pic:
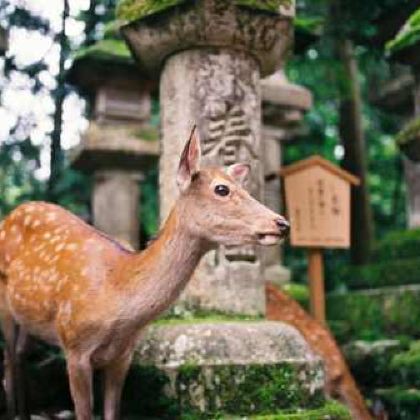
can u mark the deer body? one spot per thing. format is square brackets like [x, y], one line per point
[65, 282]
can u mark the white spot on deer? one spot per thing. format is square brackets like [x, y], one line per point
[36, 223]
[27, 220]
[51, 216]
[59, 247]
[72, 247]
[2, 234]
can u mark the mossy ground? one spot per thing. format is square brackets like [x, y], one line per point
[130, 10]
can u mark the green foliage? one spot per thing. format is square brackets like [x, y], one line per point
[406, 366]
[149, 206]
[408, 35]
[397, 245]
[401, 403]
[384, 274]
[298, 292]
[378, 313]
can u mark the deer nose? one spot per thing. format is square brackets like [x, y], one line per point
[283, 225]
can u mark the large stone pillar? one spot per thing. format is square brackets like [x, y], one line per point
[211, 55]
[113, 149]
[284, 104]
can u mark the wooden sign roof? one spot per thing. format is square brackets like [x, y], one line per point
[317, 160]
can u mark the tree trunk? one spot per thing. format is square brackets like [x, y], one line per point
[352, 137]
[56, 154]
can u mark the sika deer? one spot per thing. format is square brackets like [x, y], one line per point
[66, 283]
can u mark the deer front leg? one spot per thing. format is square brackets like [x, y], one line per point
[115, 374]
[80, 377]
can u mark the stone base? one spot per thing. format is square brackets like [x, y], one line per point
[242, 368]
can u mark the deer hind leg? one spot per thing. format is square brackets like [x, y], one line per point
[80, 376]
[114, 376]
[21, 384]
[9, 329]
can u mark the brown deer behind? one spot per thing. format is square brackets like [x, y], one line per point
[340, 383]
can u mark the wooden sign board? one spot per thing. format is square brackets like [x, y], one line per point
[318, 203]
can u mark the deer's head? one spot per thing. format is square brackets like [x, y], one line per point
[216, 207]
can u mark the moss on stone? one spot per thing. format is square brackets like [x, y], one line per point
[130, 10]
[206, 317]
[106, 50]
[408, 35]
[409, 133]
[247, 389]
[332, 410]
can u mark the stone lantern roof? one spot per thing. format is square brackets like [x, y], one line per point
[279, 94]
[156, 29]
[107, 61]
[3, 41]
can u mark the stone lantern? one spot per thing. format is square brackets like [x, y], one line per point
[284, 104]
[210, 56]
[405, 49]
[3, 41]
[119, 145]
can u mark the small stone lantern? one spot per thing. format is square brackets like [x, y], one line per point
[284, 105]
[119, 145]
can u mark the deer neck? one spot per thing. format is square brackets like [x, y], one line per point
[160, 273]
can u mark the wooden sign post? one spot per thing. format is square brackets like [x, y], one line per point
[318, 207]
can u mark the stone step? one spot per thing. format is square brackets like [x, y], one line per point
[239, 368]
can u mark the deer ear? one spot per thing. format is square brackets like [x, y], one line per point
[239, 172]
[189, 163]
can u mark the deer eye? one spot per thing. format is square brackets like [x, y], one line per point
[222, 190]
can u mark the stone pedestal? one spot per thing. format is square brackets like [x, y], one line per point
[284, 104]
[238, 368]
